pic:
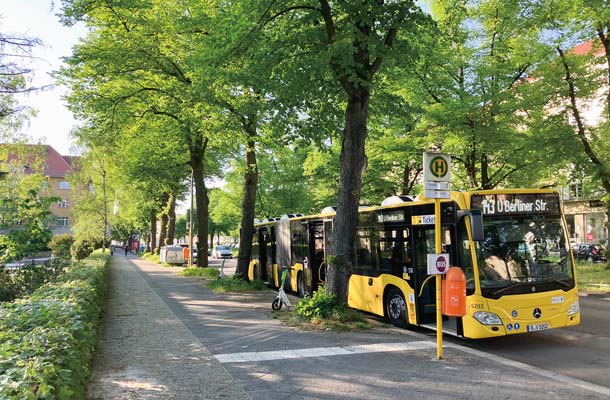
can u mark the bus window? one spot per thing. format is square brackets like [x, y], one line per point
[298, 242]
[425, 243]
[363, 252]
[465, 258]
[393, 254]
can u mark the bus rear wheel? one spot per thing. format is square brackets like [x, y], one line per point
[396, 308]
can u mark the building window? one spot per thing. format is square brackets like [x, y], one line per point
[64, 185]
[63, 221]
[575, 190]
[65, 203]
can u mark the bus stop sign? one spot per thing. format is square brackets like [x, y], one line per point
[437, 167]
[438, 264]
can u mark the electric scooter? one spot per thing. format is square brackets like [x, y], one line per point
[281, 298]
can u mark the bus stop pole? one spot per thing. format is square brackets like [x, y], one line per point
[438, 245]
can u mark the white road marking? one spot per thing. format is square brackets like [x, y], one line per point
[323, 351]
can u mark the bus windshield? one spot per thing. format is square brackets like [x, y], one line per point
[523, 255]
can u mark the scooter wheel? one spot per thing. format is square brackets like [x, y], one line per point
[277, 304]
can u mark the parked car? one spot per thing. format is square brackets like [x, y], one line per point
[589, 252]
[222, 252]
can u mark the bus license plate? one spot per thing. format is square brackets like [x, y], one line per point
[538, 327]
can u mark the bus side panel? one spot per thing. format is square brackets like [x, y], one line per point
[369, 298]
[365, 297]
[275, 276]
[296, 269]
[251, 269]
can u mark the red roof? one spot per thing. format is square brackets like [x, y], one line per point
[587, 48]
[55, 165]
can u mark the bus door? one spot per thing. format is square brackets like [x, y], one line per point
[314, 276]
[425, 293]
[271, 258]
[261, 270]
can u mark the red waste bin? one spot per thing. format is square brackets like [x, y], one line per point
[454, 293]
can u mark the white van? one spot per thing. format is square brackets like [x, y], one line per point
[171, 255]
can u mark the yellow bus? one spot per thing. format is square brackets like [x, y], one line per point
[511, 244]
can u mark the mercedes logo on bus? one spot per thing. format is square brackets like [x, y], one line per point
[537, 313]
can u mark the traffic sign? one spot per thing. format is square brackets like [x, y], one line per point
[437, 194]
[437, 185]
[437, 167]
[438, 264]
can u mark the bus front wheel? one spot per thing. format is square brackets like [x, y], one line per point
[396, 308]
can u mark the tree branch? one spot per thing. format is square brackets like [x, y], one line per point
[580, 129]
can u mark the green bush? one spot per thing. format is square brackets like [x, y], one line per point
[60, 245]
[19, 283]
[323, 311]
[320, 305]
[82, 248]
[47, 340]
[206, 273]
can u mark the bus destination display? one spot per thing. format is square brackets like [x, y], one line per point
[515, 204]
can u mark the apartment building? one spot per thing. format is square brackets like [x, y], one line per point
[56, 169]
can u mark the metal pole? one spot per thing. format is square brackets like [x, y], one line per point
[438, 243]
[191, 225]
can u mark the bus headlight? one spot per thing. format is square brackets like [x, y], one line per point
[487, 318]
[574, 308]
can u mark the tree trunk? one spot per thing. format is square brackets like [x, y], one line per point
[171, 219]
[485, 181]
[163, 230]
[153, 231]
[201, 199]
[607, 225]
[471, 166]
[409, 178]
[248, 206]
[350, 180]
[211, 234]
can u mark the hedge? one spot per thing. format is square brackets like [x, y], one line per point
[47, 340]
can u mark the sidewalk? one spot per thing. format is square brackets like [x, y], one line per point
[145, 352]
[169, 337]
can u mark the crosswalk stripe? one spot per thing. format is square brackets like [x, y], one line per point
[323, 351]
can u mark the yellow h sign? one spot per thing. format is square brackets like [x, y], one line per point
[437, 167]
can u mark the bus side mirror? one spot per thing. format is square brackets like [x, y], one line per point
[476, 223]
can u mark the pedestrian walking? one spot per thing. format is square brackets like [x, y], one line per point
[112, 250]
[126, 248]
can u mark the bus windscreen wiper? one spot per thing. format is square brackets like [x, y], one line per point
[567, 284]
[511, 286]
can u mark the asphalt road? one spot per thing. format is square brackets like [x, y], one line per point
[582, 352]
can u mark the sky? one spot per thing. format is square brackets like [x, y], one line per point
[36, 18]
